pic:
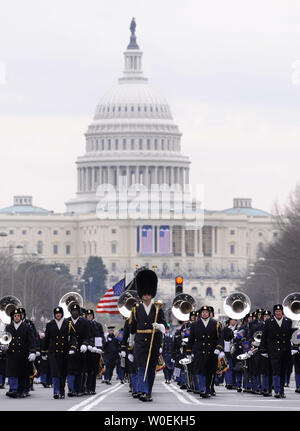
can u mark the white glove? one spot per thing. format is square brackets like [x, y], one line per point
[94, 349]
[44, 357]
[235, 332]
[160, 327]
[189, 357]
[265, 355]
[249, 354]
[130, 357]
[71, 352]
[123, 354]
[172, 360]
[90, 348]
[160, 350]
[31, 357]
[83, 348]
[217, 352]
[38, 354]
[99, 351]
[293, 352]
[221, 355]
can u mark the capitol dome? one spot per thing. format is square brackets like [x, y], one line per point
[133, 100]
[131, 139]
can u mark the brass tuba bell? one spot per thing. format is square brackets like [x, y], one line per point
[7, 304]
[237, 305]
[291, 306]
[182, 305]
[68, 299]
[5, 338]
[257, 338]
[126, 301]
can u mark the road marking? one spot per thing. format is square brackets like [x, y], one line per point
[90, 399]
[193, 399]
[209, 403]
[178, 395]
[101, 398]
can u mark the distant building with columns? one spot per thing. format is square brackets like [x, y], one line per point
[134, 140]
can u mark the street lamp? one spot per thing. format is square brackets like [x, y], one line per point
[25, 281]
[90, 282]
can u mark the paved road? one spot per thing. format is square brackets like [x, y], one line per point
[165, 398]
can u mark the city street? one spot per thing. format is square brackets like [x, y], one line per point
[165, 398]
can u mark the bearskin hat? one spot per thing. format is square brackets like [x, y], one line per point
[146, 283]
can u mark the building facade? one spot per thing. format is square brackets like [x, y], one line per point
[133, 140]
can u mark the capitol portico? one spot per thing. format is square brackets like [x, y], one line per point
[134, 139]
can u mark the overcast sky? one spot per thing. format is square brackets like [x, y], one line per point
[230, 71]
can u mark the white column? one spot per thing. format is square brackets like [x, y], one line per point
[187, 176]
[155, 175]
[172, 176]
[181, 177]
[183, 241]
[99, 175]
[109, 168]
[86, 173]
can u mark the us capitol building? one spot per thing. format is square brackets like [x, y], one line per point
[133, 139]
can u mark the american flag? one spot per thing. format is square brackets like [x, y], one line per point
[109, 302]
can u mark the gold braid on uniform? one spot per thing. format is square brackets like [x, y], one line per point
[133, 314]
[218, 327]
[71, 326]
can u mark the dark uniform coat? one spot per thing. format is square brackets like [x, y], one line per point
[130, 366]
[276, 342]
[81, 332]
[56, 345]
[92, 358]
[111, 349]
[202, 343]
[141, 325]
[21, 345]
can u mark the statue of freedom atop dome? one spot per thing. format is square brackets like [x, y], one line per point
[132, 26]
[132, 43]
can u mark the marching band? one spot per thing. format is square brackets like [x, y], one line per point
[250, 352]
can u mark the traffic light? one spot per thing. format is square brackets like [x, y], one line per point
[178, 284]
[79, 269]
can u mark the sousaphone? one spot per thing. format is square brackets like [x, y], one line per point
[7, 304]
[237, 305]
[182, 305]
[126, 301]
[68, 299]
[291, 306]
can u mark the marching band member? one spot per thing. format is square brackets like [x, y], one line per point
[168, 345]
[55, 349]
[20, 355]
[93, 352]
[111, 354]
[254, 362]
[79, 330]
[275, 344]
[228, 333]
[130, 363]
[206, 345]
[296, 361]
[266, 371]
[146, 319]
